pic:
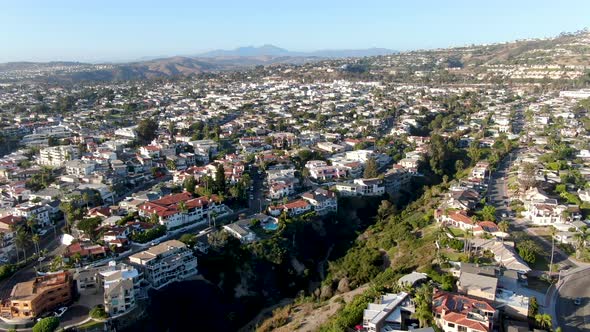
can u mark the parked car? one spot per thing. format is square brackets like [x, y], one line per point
[59, 312]
[578, 301]
[42, 232]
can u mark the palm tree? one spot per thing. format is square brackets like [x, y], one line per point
[580, 240]
[2, 238]
[553, 232]
[86, 198]
[544, 320]
[22, 240]
[423, 314]
[35, 238]
[182, 208]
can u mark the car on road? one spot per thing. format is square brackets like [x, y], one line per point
[504, 215]
[155, 243]
[578, 301]
[59, 312]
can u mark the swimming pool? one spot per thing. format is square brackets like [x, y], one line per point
[271, 226]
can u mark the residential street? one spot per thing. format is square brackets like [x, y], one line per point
[567, 315]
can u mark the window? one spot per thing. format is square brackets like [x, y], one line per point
[462, 328]
[450, 325]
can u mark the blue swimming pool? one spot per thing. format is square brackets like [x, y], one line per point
[271, 226]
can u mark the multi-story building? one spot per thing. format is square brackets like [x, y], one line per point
[362, 187]
[460, 313]
[322, 200]
[122, 288]
[390, 314]
[166, 263]
[31, 210]
[80, 167]
[56, 156]
[31, 298]
[181, 209]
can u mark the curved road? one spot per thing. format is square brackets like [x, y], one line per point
[571, 317]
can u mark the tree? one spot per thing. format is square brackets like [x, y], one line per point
[48, 324]
[474, 152]
[188, 239]
[528, 250]
[189, 184]
[553, 232]
[503, 226]
[488, 213]
[423, 299]
[544, 320]
[580, 240]
[533, 307]
[98, 312]
[219, 179]
[22, 240]
[36, 239]
[146, 130]
[90, 227]
[371, 169]
[529, 171]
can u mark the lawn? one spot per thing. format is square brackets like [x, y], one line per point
[457, 232]
[92, 326]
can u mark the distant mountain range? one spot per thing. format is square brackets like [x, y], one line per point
[271, 50]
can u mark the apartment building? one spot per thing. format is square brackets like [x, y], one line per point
[80, 167]
[166, 263]
[181, 209]
[31, 298]
[122, 288]
[56, 156]
[362, 187]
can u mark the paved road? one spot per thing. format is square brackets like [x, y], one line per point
[496, 196]
[571, 317]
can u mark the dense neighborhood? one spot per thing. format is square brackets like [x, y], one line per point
[419, 206]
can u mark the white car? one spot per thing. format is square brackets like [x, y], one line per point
[59, 312]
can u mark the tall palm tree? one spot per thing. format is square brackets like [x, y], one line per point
[182, 208]
[36, 239]
[552, 232]
[2, 238]
[22, 240]
[580, 240]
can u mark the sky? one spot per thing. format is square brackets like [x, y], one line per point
[122, 30]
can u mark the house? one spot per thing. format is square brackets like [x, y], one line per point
[241, 231]
[455, 218]
[413, 279]
[322, 200]
[463, 199]
[478, 282]
[480, 171]
[390, 313]
[86, 250]
[293, 208]
[460, 313]
[8, 223]
[280, 189]
[31, 210]
[166, 263]
[80, 167]
[362, 187]
[177, 210]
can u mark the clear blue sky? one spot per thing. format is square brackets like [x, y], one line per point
[103, 30]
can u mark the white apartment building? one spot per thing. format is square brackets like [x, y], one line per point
[122, 288]
[80, 167]
[166, 263]
[362, 187]
[56, 156]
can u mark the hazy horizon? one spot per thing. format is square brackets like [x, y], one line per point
[112, 31]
